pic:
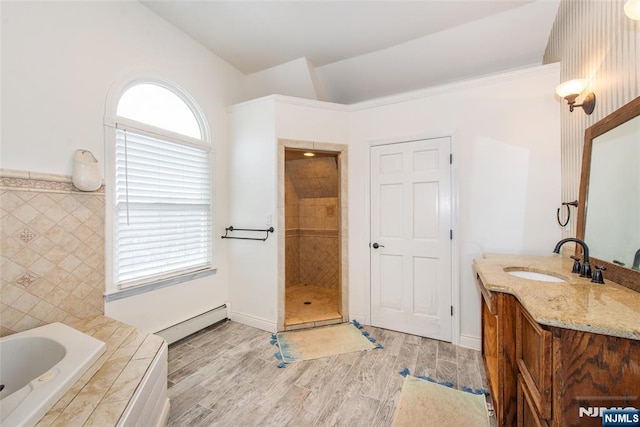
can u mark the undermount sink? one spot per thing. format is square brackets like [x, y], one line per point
[533, 275]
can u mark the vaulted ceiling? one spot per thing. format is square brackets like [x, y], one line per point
[351, 51]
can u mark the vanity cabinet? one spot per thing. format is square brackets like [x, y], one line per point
[498, 352]
[544, 376]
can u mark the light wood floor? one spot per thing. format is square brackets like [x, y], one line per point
[226, 375]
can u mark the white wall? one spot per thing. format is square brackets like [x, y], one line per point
[505, 130]
[256, 127]
[506, 135]
[304, 120]
[59, 61]
[252, 197]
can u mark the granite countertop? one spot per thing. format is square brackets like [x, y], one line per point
[102, 394]
[578, 304]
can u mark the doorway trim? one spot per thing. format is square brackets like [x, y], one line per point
[455, 257]
[341, 151]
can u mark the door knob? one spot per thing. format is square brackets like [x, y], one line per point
[376, 246]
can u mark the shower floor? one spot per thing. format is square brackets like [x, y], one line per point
[323, 310]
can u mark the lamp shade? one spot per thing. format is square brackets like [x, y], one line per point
[632, 9]
[571, 87]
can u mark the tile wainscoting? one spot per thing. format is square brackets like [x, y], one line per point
[51, 251]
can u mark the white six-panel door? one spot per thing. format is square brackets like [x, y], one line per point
[410, 225]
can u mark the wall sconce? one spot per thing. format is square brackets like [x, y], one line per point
[632, 9]
[86, 171]
[571, 89]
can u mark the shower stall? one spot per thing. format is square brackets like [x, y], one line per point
[312, 242]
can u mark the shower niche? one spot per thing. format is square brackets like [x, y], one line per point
[313, 288]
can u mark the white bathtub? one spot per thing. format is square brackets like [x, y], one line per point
[38, 366]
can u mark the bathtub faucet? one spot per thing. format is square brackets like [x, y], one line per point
[585, 271]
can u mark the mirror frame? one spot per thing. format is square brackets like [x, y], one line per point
[621, 275]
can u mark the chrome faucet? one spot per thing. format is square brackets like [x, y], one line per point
[585, 271]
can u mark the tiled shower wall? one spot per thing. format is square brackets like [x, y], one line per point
[593, 40]
[312, 244]
[318, 248]
[51, 251]
[292, 233]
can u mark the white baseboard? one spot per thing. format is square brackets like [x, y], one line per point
[471, 342]
[192, 325]
[254, 322]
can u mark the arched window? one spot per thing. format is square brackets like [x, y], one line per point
[158, 106]
[162, 221]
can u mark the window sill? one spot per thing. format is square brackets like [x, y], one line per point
[149, 287]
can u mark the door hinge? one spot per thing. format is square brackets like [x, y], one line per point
[452, 310]
[450, 234]
[450, 159]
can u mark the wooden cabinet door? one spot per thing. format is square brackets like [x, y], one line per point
[533, 355]
[593, 371]
[498, 352]
[527, 414]
[490, 346]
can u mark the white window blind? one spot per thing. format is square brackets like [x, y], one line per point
[163, 208]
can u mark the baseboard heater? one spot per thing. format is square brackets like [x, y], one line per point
[185, 328]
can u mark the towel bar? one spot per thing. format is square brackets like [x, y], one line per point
[231, 228]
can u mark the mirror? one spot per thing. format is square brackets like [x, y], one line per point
[609, 211]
